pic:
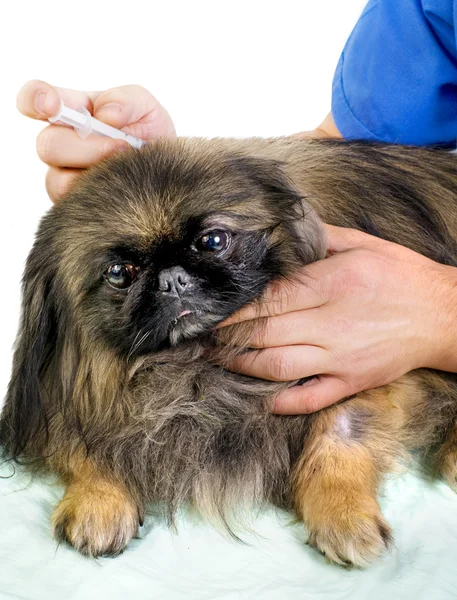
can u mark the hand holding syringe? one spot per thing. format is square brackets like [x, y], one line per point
[84, 124]
[129, 108]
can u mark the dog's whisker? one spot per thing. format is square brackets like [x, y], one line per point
[138, 343]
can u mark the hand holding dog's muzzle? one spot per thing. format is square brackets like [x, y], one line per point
[357, 320]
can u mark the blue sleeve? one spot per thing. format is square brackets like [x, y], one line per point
[396, 80]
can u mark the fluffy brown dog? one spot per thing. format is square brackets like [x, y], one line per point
[111, 385]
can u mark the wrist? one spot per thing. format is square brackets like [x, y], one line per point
[442, 342]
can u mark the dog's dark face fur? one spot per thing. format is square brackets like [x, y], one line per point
[160, 246]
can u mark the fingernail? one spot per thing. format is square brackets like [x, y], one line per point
[40, 101]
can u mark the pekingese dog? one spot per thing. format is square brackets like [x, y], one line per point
[115, 384]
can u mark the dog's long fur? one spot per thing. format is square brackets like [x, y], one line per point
[115, 393]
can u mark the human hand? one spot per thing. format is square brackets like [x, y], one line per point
[359, 319]
[130, 108]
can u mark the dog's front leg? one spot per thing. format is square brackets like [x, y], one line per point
[98, 515]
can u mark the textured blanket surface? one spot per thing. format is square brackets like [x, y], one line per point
[197, 562]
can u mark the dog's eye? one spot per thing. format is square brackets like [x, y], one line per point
[213, 241]
[121, 276]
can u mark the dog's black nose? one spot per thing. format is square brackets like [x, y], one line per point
[175, 281]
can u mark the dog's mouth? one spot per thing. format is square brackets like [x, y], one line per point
[191, 322]
[184, 313]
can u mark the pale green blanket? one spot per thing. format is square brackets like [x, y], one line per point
[198, 562]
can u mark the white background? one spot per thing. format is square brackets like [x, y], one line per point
[220, 67]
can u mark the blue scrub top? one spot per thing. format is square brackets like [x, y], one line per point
[396, 80]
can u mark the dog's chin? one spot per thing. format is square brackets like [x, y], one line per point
[190, 324]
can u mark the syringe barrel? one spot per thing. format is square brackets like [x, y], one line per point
[85, 124]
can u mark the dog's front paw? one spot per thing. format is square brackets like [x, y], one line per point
[446, 462]
[96, 521]
[353, 536]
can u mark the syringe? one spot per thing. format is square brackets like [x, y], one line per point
[84, 123]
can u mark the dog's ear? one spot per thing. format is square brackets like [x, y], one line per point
[299, 220]
[56, 378]
[25, 415]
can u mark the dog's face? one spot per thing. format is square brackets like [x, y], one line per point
[160, 245]
[148, 250]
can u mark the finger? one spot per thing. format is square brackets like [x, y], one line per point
[290, 329]
[59, 181]
[312, 396]
[62, 147]
[131, 107]
[135, 110]
[39, 100]
[304, 292]
[282, 364]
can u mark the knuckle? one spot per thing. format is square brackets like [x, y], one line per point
[57, 183]
[267, 306]
[365, 258]
[136, 89]
[50, 183]
[53, 185]
[105, 148]
[311, 402]
[273, 309]
[280, 369]
[46, 142]
[260, 335]
[360, 272]
[126, 95]
[277, 299]
[346, 390]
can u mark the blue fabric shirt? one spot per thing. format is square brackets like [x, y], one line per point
[396, 80]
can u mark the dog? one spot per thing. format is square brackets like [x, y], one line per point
[118, 383]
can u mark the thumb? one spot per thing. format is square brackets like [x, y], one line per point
[319, 393]
[340, 239]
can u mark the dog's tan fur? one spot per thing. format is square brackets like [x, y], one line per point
[336, 480]
[96, 512]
